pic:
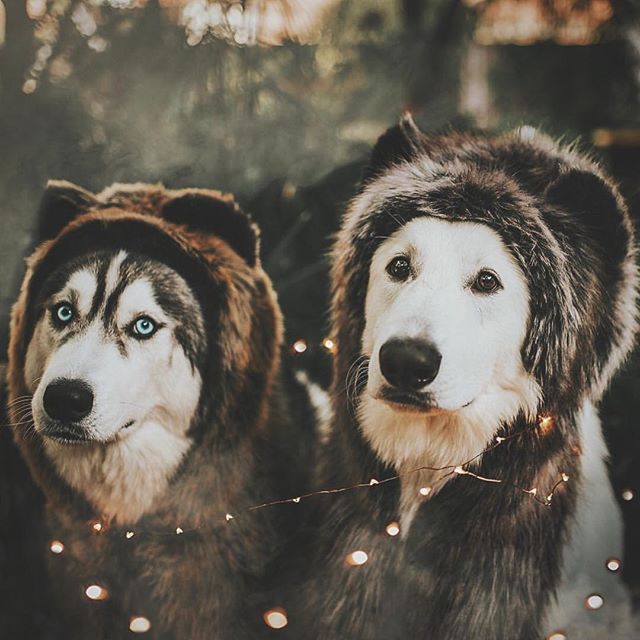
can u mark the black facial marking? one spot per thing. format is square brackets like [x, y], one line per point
[101, 270]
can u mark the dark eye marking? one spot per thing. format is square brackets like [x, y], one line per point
[486, 282]
[399, 268]
[62, 314]
[143, 328]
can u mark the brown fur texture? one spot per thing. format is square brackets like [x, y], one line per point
[208, 582]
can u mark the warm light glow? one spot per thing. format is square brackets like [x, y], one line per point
[296, 500]
[627, 495]
[613, 564]
[557, 635]
[329, 345]
[228, 517]
[36, 8]
[545, 425]
[97, 527]
[29, 86]
[357, 558]
[594, 602]
[300, 346]
[424, 491]
[139, 624]
[129, 535]
[275, 618]
[56, 547]
[393, 529]
[96, 592]
[565, 477]
[179, 530]
[372, 482]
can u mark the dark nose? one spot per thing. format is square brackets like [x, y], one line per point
[408, 363]
[68, 400]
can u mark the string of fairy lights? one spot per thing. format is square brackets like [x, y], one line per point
[277, 617]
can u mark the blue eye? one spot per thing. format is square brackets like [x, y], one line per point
[144, 327]
[64, 312]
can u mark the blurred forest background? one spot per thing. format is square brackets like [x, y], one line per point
[280, 101]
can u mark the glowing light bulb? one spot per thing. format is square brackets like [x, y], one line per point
[424, 491]
[296, 500]
[393, 529]
[545, 424]
[594, 602]
[357, 558]
[139, 624]
[129, 534]
[228, 517]
[565, 477]
[329, 345]
[627, 495]
[300, 346]
[275, 618]
[179, 531]
[97, 527]
[613, 564]
[96, 592]
[56, 547]
[372, 482]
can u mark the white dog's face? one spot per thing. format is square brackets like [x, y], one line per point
[446, 314]
[113, 386]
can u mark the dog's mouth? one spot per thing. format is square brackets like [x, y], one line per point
[72, 434]
[410, 402]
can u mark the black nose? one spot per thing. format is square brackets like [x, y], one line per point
[68, 400]
[408, 363]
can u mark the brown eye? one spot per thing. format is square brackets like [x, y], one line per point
[486, 282]
[399, 268]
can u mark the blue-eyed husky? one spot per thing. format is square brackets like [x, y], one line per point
[144, 380]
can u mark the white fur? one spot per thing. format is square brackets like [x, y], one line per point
[479, 337]
[321, 403]
[123, 470]
[595, 535]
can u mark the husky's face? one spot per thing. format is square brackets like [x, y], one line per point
[445, 317]
[110, 353]
[111, 367]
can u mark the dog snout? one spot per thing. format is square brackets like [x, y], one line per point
[68, 400]
[409, 364]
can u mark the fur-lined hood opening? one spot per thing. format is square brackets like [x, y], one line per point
[564, 222]
[202, 235]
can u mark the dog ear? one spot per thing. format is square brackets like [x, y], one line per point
[61, 203]
[217, 214]
[593, 201]
[399, 143]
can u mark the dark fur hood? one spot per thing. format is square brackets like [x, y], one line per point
[565, 223]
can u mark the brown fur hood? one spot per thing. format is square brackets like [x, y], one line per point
[206, 238]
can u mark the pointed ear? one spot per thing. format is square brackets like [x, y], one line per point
[61, 203]
[401, 142]
[594, 203]
[217, 214]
